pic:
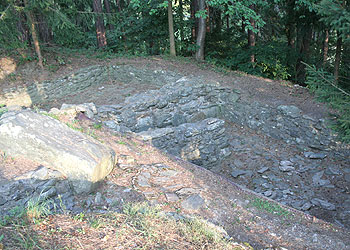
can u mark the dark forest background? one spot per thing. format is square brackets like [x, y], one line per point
[306, 42]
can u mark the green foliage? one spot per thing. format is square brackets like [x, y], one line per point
[336, 16]
[272, 60]
[322, 84]
[270, 207]
[10, 37]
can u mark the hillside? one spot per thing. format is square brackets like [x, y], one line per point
[243, 133]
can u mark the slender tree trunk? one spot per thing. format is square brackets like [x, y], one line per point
[31, 21]
[100, 28]
[217, 20]
[201, 32]
[304, 51]
[181, 15]
[290, 26]
[337, 57]
[171, 28]
[251, 37]
[325, 47]
[43, 30]
[122, 28]
[194, 9]
[108, 10]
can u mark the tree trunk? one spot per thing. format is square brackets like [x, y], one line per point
[31, 21]
[337, 57]
[108, 10]
[243, 25]
[100, 28]
[43, 29]
[325, 47]
[304, 51]
[181, 15]
[171, 28]
[290, 26]
[194, 9]
[251, 37]
[201, 32]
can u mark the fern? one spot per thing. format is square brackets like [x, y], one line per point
[322, 84]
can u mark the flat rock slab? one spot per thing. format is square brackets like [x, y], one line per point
[80, 158]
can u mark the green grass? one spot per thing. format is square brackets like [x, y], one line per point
[138, 226]
[269, 207]
[51, 115]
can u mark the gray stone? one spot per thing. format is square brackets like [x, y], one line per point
[42, 173]
[238, 172]
[169, 173]
[186, 191]
[82, 159]
[286, 166]
[306, 206]
[291, 111]
[317, 181]
[171, 197]
[347, 178]
[142, 181]
[89, 109]
[98, 198]
[193, 202]
[322, 203]
[312, 155]
[333, 170]
[263, 170]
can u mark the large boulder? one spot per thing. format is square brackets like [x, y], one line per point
[82, 159]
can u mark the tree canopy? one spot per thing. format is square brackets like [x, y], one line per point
[275, 39]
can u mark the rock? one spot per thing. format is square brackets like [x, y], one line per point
[263, 170]
[186, 191]
[286, 166]
[82, 159]
[89, 109]
[322, 203]
[333, 170]
[171, 197]
[306, 206]
[312, 155]
[98, 198]
[238, 172]
[193, 202]
[169, 173]
[142, 181]
[291, 111]
[42, 173]
[317, 181]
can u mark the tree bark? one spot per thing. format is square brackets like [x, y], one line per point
[304, 51]
[31, 21]
[171, 28]
[325, 47]
[251, 37]
[194, 9]
[201, 32]
[181, 15]
[338, 51]
[290, 26]
[100, 28]
[108, 10]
